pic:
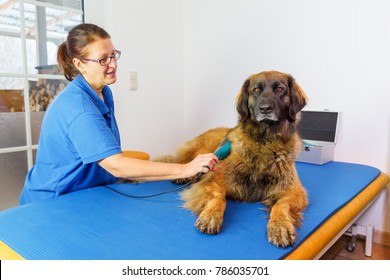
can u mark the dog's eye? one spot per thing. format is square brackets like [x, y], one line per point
[257, 90]
[279, 89]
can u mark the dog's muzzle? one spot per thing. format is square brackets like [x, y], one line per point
[266, 110]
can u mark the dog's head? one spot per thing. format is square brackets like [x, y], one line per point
[270, 96]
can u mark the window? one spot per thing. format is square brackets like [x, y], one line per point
[30, 32]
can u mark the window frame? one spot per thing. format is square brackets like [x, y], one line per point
[26, 76]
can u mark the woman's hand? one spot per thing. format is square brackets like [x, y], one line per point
[202, 163]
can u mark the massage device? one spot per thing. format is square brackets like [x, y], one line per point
[223, 150]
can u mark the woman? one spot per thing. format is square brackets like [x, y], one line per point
[79, 145]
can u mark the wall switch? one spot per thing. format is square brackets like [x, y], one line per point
[133, 80]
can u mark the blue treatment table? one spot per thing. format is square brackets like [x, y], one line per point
[98, 223]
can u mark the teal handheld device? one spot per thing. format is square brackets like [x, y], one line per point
[223, 149]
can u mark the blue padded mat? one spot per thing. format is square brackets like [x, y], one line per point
[97, 223]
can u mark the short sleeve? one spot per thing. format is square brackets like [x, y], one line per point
[91, 138]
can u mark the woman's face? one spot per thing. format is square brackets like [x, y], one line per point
[95, 74]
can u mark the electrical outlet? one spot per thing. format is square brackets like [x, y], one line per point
[133, 80]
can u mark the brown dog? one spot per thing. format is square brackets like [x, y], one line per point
[260, 167]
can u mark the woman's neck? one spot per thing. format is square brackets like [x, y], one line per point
[100, 94]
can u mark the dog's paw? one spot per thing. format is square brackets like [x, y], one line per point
[186, 180]
[182, 181]
[209, 223]
[281, 233]
[128, 181]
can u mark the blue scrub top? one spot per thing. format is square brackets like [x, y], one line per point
[78, 130]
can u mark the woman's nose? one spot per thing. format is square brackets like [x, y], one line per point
[113, 63]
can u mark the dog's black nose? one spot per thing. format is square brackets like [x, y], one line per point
[266, 109]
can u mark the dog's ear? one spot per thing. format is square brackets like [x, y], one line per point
[298, 99]
[242, 102]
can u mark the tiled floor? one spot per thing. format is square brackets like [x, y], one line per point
[339, 252]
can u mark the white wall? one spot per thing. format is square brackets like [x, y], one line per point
[150, 36]
[193, 55]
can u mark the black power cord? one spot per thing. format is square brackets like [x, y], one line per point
[156, 194]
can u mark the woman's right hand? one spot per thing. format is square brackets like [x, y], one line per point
[202, 163]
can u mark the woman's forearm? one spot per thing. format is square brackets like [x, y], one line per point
[142, 170]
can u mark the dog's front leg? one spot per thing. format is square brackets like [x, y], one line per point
[206, 199]
[280, 229]
[285, 215]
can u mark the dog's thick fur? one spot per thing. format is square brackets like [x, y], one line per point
[260, 167]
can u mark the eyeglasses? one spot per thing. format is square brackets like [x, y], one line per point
[104, 61]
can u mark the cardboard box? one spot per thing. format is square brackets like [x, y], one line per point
[318, 130]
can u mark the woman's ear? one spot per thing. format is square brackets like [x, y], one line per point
[79, 65]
